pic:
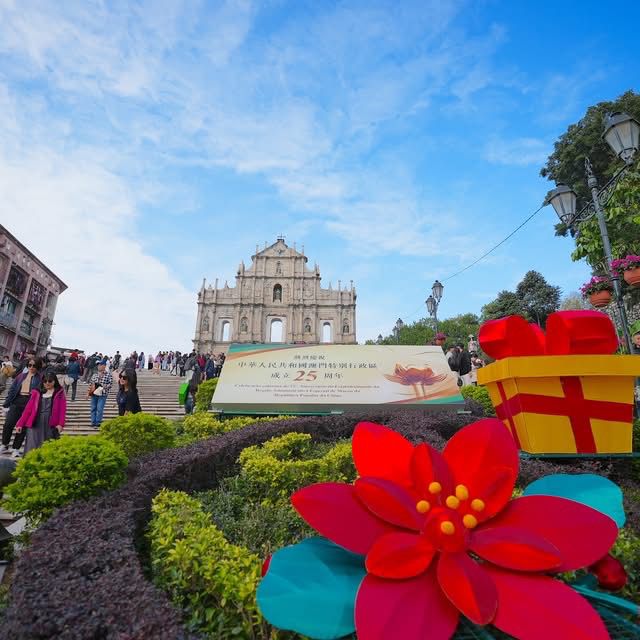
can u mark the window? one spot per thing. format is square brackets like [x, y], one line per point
[17, 281]
[277, 293]
[36, 295]
[225, 332]
[275, 333]
[326, 332]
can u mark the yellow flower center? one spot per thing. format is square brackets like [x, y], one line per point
[435, 488]
[462, 493]
[452, 502]
[469, 521]
[423, 506]
[477, 505]
[447, 527]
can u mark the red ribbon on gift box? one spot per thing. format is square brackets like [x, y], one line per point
[568, 333]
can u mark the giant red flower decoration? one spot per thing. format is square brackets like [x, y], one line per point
[443, 536]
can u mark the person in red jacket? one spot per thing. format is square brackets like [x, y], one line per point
[45, 413]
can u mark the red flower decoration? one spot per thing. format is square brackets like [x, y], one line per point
[442, 536]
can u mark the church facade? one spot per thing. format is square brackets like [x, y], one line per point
[278, 299]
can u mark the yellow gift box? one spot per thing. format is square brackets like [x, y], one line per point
[565, 403]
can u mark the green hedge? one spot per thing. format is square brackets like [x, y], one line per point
[273, 471]
[139, 433]
[61, 471]
[213, 581]
[204, 394]
[481, 396]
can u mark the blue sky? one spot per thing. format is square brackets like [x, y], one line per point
[146, 145]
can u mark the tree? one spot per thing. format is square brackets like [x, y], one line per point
[457, 329]
[506, 304]
[622, 214]
[538, 297]
[573, 301]
[584, 139]
[566, 165]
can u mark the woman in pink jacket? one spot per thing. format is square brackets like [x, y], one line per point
[45, 413]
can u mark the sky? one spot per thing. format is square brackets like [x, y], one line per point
[145, 145]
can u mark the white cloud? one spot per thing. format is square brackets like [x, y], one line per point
[519, 152]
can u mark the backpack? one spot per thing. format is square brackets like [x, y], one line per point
[454, 362]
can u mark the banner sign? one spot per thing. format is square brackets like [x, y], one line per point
[283, 378]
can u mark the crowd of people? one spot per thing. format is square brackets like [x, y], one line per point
[35, 406]
[464, 361]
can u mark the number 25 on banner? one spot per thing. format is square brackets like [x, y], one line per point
[306, 376]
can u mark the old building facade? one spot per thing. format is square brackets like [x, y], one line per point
[28, 298]
[277, 299]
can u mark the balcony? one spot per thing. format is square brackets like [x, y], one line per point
[28, 330]
[8, 320]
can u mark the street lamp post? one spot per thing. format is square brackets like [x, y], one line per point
[433, 301]
[397, 329]
[622, 133]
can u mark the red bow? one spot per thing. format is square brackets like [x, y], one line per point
[568, 333]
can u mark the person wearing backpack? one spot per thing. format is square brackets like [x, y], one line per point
[464, 365]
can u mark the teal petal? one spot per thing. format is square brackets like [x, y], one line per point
[595, 491]
[310, 588]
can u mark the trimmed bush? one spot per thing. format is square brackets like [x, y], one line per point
[273, 471]
[61, 471]
[139, 433]
[481, 396]
[205, 425]
[204, 394]
[212, 580]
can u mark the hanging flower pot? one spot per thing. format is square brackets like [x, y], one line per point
[598, 291]
[629, 268]
[632, 277]
[600, 298]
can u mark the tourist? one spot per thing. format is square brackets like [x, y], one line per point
[189, 366]
[7, 371]
[99, 387]
[209, 368]
[181, 364]
[141, 361]
[464, 369]
[116, 361]
[71, 375]
[44, 415]
[472, 346]
[16, 401]
[150, 363]
[453, 359]
[192, 389]
[127, 398]
[157, 363]
[90, 366]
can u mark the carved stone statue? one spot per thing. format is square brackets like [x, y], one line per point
[244, 327]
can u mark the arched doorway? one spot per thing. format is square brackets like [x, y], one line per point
[326, 332]
[225, 331]
[276, 331]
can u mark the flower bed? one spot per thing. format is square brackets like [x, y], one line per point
[82, 576]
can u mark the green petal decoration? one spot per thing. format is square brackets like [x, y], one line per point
[310, 588]
[595, 491]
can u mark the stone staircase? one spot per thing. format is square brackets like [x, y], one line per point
[158, 395]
